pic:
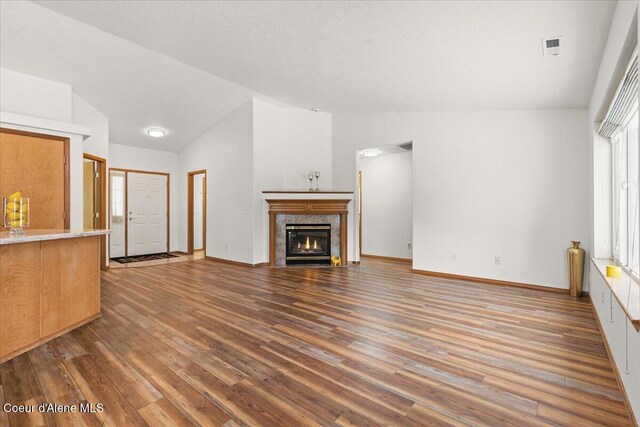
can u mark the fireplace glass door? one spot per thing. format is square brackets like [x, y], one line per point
[308, 244]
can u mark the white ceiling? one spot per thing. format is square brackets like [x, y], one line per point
[338, 56]
[134, 87]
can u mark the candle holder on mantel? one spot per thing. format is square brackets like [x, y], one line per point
[15, 213]
[317, 175]
[310, 182]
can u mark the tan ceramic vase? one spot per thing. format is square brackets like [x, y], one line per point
[575, 258]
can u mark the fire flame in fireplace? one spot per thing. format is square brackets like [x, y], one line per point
[307, 245]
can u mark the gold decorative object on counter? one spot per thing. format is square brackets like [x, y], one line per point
[575, 258]
[15, 212]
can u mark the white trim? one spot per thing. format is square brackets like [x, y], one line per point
[14, 120]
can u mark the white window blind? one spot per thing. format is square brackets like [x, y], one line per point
[624, 101]
[620, 126]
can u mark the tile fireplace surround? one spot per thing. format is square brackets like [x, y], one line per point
[282, 220]
[298, 207]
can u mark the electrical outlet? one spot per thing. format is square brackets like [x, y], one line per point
[498, 260]
[409, 245]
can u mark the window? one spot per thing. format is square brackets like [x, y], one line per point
[626, 194]
[620, 126]
[117, 195]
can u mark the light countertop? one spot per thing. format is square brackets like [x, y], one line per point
[40, 235]
[625, 289]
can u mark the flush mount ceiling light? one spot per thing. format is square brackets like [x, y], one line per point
[156, 132]
[371, 153]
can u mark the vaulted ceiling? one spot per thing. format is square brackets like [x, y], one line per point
[186, 63]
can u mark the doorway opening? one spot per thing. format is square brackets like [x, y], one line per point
[94, 199]
[138, 213]
[197, 211]
[385, 202]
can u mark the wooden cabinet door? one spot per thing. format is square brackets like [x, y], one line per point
[20, 288]
[36, 167]
[70, 282]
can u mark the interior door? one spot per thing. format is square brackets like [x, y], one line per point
[89, 195]
[147, 213]
[198, 212]
[36, 167]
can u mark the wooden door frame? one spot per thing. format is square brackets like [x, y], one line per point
[190, 202]
[126, 203]
[67, 166]
[360, 212]
[102, 223]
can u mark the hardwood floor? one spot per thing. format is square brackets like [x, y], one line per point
[207, 343]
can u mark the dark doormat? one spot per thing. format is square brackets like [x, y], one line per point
[139, 258]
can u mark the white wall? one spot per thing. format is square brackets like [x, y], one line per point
[507, 184]
[84, 113]
[127, 157]
[511, 184]
[307, 147]
[226, 152]
[268, 168]
[32, 96]
[351, 132]
[47, 107]
[622, 39]
[387, 204]
[288, 144]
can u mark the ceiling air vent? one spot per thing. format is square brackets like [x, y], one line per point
[407, 146]
[551, 46]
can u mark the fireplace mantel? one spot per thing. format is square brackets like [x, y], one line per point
[311, 193]
[307, 206]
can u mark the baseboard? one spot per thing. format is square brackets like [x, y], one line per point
[627, 403]
[178, 252]
[488, 281]
[387, 258]
[240, 263]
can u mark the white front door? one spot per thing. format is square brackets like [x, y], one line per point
[147, 213]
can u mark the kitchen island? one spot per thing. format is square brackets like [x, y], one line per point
[49, 285]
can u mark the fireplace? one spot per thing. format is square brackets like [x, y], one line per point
[308, 244]
[314, 209]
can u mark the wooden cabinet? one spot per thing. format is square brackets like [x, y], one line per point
[46, 289]
[20, 290]
[70, 287]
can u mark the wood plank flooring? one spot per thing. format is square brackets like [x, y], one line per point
[206, 343]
